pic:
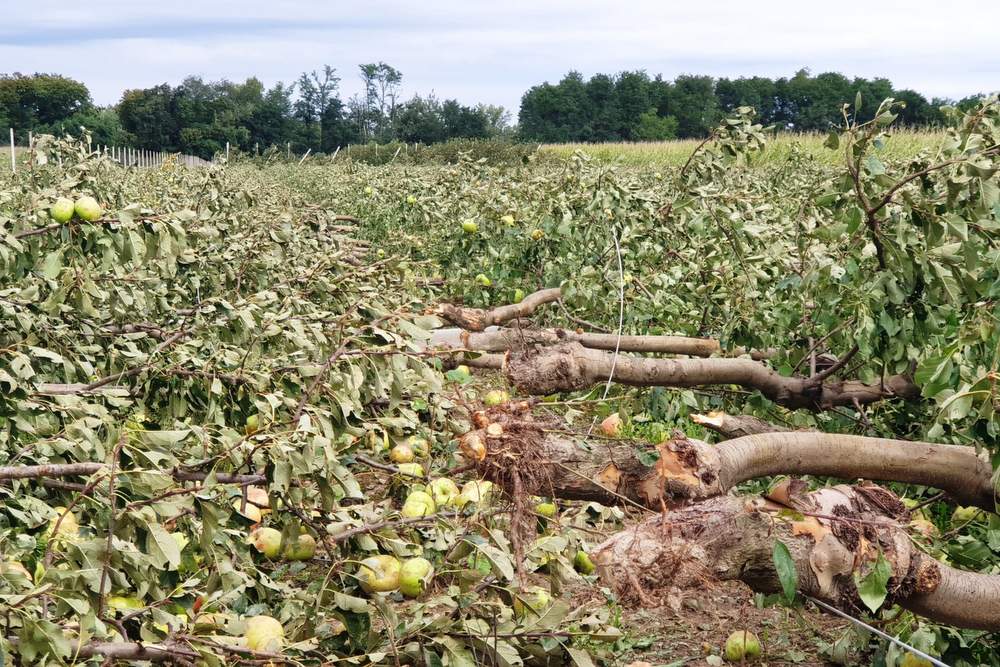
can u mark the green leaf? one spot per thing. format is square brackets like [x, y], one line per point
[872, 588]
[161, 547]
[784, 565]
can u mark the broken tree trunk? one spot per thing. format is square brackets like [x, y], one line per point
[477, 319]
[685, 469]
[832, 535]
[571, 367]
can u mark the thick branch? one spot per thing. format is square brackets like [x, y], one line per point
[571, 366]
[477, 319]
[686, 469]
[500, 340]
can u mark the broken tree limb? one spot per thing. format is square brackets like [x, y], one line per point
[477, 319]
[832, 535]
[687, 469]
[571, 367]
[495, 339]
[735, 426]
[86, 469]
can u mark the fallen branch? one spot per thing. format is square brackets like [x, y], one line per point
[87, 469]
[477, 319]
[501, 340]
[114, 651]
[571, 367]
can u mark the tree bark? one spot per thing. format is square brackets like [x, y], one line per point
[571, 367]
[831, 534]
[494, 339]
[87, 469]
[685, 469]
[477, 319]
[736, 426]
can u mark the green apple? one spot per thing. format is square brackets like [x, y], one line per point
[534, 600]
[303, 549]
[68, 527]
[264, 633]
[411, 200]
[518, 295]
[476, 491]
[418, 503]
[410, 469]
[266, 540]
[121, 603]
[369, 191]
[444, 491]
[582, 563]
[379, 574]
[657, 175]
[911, 660]
[62, 210]
[964, 514]
[495, 397]
[546, 509]
[483, 280]
[463, 370]
[401, 453]
[420, 447]
[742, 645]
[470, 227]
[507, 220]
[252, 424]
[414, 576]
[88, 209]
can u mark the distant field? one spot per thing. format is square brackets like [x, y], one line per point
[900, 145]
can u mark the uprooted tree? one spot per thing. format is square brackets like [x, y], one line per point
[225, 351]
[873, 308]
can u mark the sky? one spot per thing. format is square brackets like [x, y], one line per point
[492, 52]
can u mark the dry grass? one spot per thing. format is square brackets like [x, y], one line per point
[901, 144]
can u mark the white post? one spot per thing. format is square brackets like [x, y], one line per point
[289, 150]
[335, 154]
[305, 156]
[31, 139]
[227, 151]
[13, 161]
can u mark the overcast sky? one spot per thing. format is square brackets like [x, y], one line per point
[494, 51]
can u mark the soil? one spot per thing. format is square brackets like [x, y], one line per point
[662, 636]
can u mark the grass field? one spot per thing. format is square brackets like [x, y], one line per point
[902, 144]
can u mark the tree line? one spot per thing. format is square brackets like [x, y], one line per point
[633, 106]
[200, 117]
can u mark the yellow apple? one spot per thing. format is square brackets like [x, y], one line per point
[414, 576]
[379, 574]
[264, 633]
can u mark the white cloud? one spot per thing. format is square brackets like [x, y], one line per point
[492, 52]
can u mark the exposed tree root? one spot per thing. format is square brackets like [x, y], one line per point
[686, 469]
[832, 534]
[571, 367]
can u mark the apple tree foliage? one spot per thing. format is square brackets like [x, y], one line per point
[215, 332]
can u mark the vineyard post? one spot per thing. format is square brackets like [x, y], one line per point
[289, 150]
[13, 162]
[227, 151]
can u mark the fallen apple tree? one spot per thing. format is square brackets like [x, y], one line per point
[546, 361]
[704, 531]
